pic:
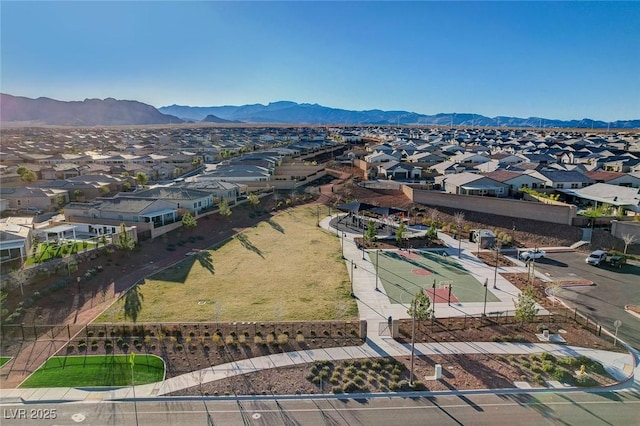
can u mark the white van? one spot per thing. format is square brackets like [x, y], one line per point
[596, 258]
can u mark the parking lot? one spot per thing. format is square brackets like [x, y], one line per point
[605, 301]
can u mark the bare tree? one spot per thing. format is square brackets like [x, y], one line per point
[628, 239]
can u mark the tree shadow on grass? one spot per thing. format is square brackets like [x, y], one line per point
[275, 226]
[133, 303]
[204, 257]
[244, 240]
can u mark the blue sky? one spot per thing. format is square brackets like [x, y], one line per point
[555, 60]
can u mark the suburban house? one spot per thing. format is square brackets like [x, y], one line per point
[620, 197]
[15, 240]
[472, 184]
[561, 179]
[396, 170]
[516, 180]
[193, 200]
[150, 217]
[614, 178]
[45, 199]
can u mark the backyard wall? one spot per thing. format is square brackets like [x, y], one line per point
[618, 229]
[512, 208]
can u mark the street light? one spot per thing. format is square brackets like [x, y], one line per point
[377, 270]
[342, 244]
[495, 274]
[486, 289]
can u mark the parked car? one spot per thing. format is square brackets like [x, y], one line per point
[596, 257]
[30, 210]
[532, 254]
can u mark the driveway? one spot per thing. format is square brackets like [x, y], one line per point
[603, 302]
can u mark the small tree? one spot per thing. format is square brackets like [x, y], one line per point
[225, 210]
[419, 310]
[29, 176]
[124, 240]
[628, 239]
[77, 194]
[254, 200]
[402, 229]
[142, 179]
[370, 235]
[525, 305]
[188, 221]
[104, 190]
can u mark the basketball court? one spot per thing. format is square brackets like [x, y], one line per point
[405, 272]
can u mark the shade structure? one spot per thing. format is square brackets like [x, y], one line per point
[387, 211]
[355, 207]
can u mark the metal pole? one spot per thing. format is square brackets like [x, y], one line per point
[449, 299]
[377, 270]
[317, 215]
[413, 342]
[352, 295]
[342, 243]
[459, 243]
[433, 309]
[495, 274]
[486, 288]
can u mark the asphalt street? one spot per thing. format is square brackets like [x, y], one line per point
[603, 302]
[575, 408]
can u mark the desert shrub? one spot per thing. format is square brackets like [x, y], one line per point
[548, 367]
[538, 379]
[178, 347]
[351, 387]
[229, 339]
[70, 348]
[257, 340]
[283, 339]
[376, 366]
[546, 356]
[585, 380]
[337, 389]
[562, 375]
[525, 364]
[125, 346]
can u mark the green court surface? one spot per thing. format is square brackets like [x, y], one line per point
[404, 273]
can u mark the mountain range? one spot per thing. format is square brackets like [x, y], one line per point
[286, 112]
[112, 112]
[90, 112]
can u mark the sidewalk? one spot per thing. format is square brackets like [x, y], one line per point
[374, 307]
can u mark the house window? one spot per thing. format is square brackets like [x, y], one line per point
[19, 202]
[574, 185]
[560, 185]
[533, 185]
[195, 205]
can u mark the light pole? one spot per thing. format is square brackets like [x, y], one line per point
[342, 244]
[377, 270]
[495, 273]
[459, 243]
[352, 294]
[363, 244]
[317, 215]
[413, 340]
[486, 289]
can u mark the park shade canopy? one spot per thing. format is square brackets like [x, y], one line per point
[355, 207]
[387, 211]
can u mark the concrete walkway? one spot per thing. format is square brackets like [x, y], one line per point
[374, 307]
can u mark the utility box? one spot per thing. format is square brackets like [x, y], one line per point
[483, 237]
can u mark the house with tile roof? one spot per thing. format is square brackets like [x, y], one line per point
[472, 184]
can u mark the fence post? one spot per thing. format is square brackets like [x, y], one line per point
[599, 330]
[35, 332]
[575, 313]
[69, 331]
[22, 329]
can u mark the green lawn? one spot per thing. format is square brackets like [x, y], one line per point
[284, 269]
[48, 251]
[4, 360]
[96, 370]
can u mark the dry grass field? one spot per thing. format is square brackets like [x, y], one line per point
[284, 269]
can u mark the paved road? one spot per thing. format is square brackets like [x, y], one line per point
[579, 408]
[605, 301]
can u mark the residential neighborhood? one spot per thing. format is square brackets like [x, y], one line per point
[148, 178]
